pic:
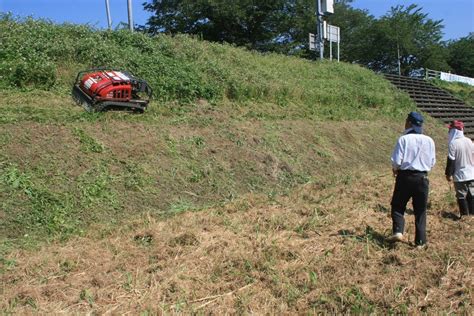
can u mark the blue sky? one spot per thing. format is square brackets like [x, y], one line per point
[457, 15]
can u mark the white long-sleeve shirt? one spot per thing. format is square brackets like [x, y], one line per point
[414, 152]
[461, 150]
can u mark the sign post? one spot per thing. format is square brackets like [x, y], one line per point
[334, 36]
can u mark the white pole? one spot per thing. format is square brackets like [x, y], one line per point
[330, 48]
[320, 27]
[130, 15]
[338, 51]
[109, 19]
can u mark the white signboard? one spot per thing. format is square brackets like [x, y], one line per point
[328, 6]
[333, 33]
[312, 42]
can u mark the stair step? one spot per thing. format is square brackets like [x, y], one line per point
[436, 102]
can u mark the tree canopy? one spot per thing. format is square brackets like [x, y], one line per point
[461, 55]
[250, 23]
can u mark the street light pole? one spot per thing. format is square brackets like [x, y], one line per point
[107, 9]
[130, 15]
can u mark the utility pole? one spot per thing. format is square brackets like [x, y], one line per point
[107, 9]
[320, 28]
[130, 15]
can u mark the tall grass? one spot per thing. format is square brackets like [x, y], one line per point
[38, 54]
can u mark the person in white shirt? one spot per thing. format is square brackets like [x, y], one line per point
[412, 159]
[460, 167]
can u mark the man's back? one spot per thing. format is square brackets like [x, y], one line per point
[461, 150]
[414, 152]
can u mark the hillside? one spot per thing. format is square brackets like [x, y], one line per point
[252, 184]
[460, 90]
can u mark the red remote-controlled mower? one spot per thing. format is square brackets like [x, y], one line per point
[105, 89]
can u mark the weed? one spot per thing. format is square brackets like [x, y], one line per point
[313, 278]
[67, 266]
[128, 284]
[179, 207]
[6, 264]
[48, 211]
[359, 304]
[144, 239]
[197, 174]
[199, 141]
[22, 300]
[134, 178]
[87, 296]
[95, 186]
[88, 143]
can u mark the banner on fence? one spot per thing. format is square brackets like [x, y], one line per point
[456, 78]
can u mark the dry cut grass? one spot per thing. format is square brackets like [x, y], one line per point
[319, 249]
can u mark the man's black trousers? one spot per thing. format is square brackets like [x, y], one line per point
[414, 185]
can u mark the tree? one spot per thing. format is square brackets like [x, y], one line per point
[251, 23]
[461, 56]
[407, 38]
[356, 28]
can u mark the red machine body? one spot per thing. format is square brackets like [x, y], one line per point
[110, 85]
[104, 89]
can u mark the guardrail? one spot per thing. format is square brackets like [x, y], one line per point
[434, 74]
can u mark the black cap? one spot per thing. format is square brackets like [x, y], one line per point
[415, 118]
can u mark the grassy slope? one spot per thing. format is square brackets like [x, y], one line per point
[463, 91]
[272, 151]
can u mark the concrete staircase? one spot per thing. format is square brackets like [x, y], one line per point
[436, 102]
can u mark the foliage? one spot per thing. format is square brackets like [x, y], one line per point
[357, 28]
[408, 36]
[254, 24]
[461, 56]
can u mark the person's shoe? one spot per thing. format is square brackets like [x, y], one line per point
[395, 237]
[421, 247]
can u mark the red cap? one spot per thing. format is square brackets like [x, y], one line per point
[456, 124]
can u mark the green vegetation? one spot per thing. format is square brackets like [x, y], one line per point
[41, 55]
[462, 91]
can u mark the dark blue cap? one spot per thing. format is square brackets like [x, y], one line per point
[415, 118]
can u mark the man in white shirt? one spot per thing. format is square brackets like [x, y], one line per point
[460, 167]
[412, 159]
